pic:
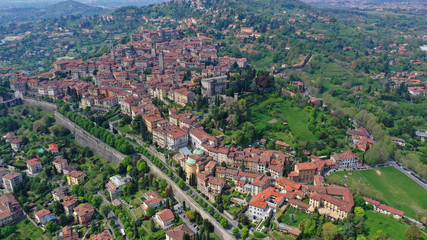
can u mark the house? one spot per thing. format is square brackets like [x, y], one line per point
[68, 233]
[10, 137]
[75, 178]
[34, 166]
[209, 185]
[264, 204]
[171, 137]
[361, 132]
[3, 171]
[303, 172]
[384, 209]
[84, 213]
[16, 144]
[53, 148]
[177, 233]
[68, 168]
[10, 210]
[422, 134]
[333, 201]
[59, 164]
[164, 218]
[399, 141]
[58, 193]
[11, 180]
[345, 159]
[115, 185]
[183, 96]
[69, 203]
[153, 200]
[286, 185]
[44, 216]
[102, 236]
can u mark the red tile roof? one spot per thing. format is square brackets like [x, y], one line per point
[165, 215]
[177, 233]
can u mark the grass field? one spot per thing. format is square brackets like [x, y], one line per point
[390, 226]
[395, 189]
[26, 230]
[298, 216]
[296, 118]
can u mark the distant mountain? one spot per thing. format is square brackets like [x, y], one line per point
[8, 4]
[60, 9]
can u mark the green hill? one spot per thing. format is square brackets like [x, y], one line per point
[61, 9]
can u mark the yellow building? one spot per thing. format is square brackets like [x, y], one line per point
[75, 178]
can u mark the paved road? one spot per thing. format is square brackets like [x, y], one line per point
[177, 208]
[180, 195]
[154, 152]
[408, 173]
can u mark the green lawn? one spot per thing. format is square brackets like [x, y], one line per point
[282, 110]
[298, 216]
[26, 230]
[393, 188]
[392, 227]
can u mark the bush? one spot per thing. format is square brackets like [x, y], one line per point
[260, 235]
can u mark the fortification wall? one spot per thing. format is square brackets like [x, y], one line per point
[86, 139]
[80, 135]
[50, 107]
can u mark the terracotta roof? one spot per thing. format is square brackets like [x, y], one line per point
[344, 155]
[165, 215]
[177, 233]
[76, 174]
[84, 209]
[42, 213]
[298, 203]
[70, 200]
[33, 162]
[283, 181]
[12, 175]
[53, 147]
[306, 166]
[102, 236]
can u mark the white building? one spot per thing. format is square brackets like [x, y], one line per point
[345, 159]
[115, 185]
[11, 180]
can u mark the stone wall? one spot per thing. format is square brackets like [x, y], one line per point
[80, 135]
[47, 106]
[86, 139]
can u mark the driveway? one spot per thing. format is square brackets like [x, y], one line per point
[187, 222]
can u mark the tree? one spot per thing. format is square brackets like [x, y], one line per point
[105, 210]
[242, 166]
[359, 211]
[208, 225]
[186, 236]
[142, 166]
[150, 211]
[245, 233]
[413, 232]
[57, 208]
[190, 215]
[358, 200]
[224, 222]
[243, 219]
[51, 227]
[235, 231]
[181, 184]
[330, 231]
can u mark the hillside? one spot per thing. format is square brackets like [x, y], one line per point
[65, 8]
